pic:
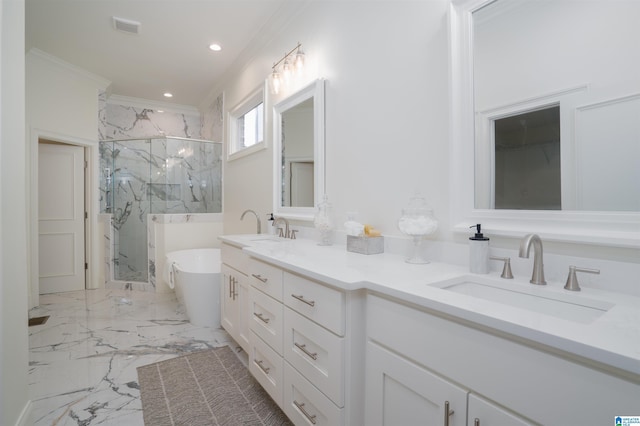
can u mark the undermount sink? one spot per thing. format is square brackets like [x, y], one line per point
[539, 299]
[267, 239]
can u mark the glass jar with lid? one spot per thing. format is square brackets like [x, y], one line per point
[323, 222]
[417, 221]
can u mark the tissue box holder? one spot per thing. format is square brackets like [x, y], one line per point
[365, 245]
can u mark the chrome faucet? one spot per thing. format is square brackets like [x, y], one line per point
[258, 223]
[538, 268]
[276, 222]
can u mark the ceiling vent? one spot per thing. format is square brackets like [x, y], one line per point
[126, 25]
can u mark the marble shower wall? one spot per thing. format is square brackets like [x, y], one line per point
[159, 176]
[146, 174]
[128, 122]
[213, 119]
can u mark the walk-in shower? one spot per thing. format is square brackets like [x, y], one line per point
[160, 175]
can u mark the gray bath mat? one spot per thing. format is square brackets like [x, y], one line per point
[210, 387]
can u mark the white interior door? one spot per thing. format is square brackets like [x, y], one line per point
[61, 217]
[302, 184]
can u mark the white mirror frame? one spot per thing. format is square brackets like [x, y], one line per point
[615, 229]
[314, 90]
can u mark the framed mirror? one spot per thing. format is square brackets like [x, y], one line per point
[299, 176]
[545, 129]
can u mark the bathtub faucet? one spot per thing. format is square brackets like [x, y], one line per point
[258, 223]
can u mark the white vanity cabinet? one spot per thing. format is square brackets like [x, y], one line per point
[417, 357]
[266, 319]
[234, 296]
[307, 345]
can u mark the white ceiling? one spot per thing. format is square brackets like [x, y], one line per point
[171, 52]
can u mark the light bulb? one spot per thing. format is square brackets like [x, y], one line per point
[275, 82]
[286, 70]
[299, 60]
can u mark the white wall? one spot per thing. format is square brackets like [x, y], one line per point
[14, 355]
[61, 105]
[386, 109]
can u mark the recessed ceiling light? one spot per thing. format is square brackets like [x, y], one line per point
[168, 95]
[215, 47]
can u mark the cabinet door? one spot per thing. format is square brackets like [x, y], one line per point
[484, 413]
[227, 301]
[399, 392]
[242, 308]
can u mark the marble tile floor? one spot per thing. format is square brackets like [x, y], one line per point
[83, 360]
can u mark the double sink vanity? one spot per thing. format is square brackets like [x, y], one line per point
[342, 338]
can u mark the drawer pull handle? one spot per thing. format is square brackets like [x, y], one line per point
[476, 422]
[232, 287]
[263, 319]
[303, 348]
[262, 367]
[447, 413]
[303, 300]
[259, 278]
[300, 405]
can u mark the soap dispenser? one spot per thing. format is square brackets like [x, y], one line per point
[271, 230]
[478, 252]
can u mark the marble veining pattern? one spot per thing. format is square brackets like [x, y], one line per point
[159, 175]
[83, 360]
[124, 122]
[213, 120]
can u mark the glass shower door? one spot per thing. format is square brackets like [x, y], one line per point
[130, 186]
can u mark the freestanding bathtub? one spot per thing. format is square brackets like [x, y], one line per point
[195, 275]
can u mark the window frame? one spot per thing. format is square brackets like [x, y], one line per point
[250, 102]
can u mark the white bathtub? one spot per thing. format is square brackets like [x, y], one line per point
[195, 274]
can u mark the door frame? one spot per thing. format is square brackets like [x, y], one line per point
[91, 206]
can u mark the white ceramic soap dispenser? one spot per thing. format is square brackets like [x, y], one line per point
[478, 252]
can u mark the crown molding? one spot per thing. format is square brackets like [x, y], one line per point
[102, 82]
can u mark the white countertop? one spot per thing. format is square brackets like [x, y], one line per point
[612, 339]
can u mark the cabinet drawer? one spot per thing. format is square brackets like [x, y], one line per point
[266, 318]
[316, 353]
[266, 366]
[234, 257]
[322, 304]
[266, 278]
[306, 405]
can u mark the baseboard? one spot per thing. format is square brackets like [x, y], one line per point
[25, 416]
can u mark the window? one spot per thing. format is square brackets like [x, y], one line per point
[246, 125]
[250, 127]
[527, 160]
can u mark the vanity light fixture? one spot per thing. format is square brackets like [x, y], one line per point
[288, 68]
